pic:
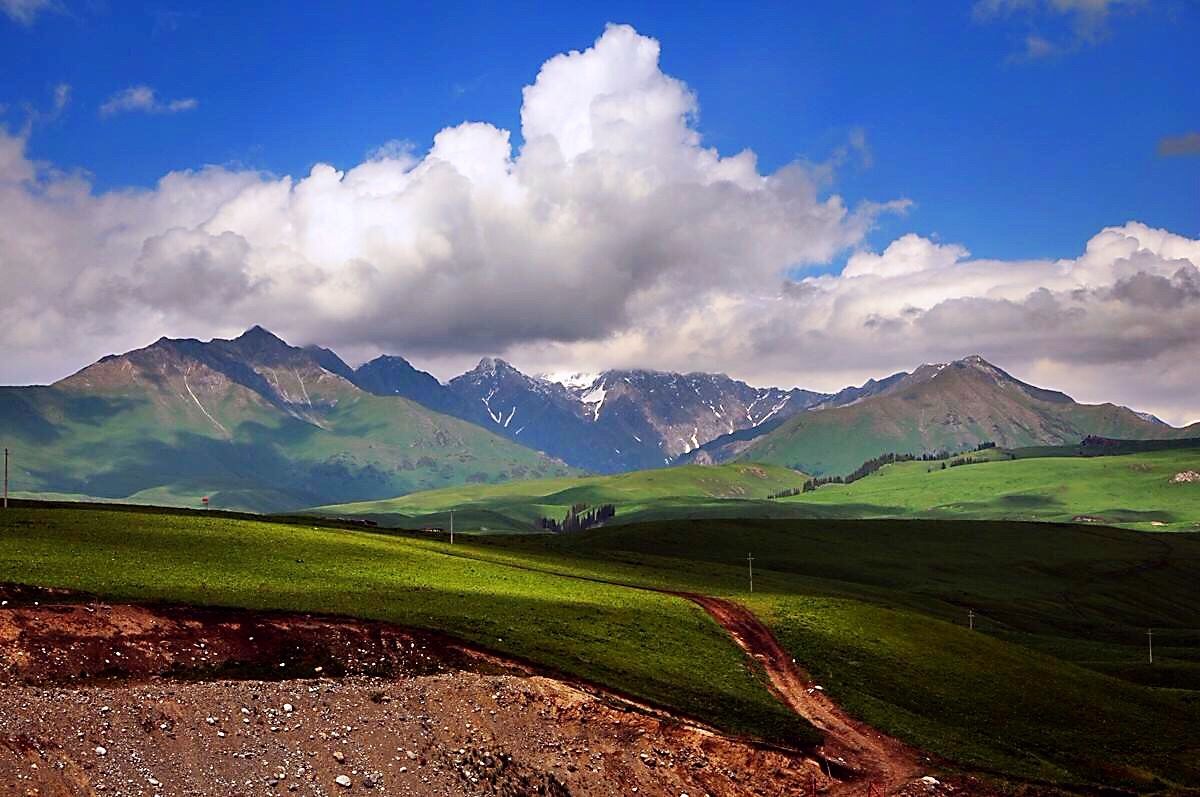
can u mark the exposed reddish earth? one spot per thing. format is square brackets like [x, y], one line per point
[112, 699]
[853, 751]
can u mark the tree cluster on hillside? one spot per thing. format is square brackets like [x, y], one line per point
[862, 471]
[875, 463]
[578, 518]
[790, 491]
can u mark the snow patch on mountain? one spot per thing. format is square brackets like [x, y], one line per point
[594, 399]
[570, 380]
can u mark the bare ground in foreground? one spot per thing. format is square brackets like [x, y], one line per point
[113, 699]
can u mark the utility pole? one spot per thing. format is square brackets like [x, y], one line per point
[750, 561]
[971, 618]
[1150, 642]
[451, 526]
[6, 478]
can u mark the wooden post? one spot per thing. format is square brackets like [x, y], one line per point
[750, 560]
[6, 477]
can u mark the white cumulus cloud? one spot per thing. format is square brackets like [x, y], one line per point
[612, 237]
[612, 206]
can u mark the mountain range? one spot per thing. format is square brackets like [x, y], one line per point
[610, 422]
[942, 407]
[252, 423]
[255, 423]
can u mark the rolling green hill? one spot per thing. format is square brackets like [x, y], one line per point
[253, 423]
[1097, 484]
[651, 646]
[689, 490]
[1052, 684]
[1137, 490]
[949, 407]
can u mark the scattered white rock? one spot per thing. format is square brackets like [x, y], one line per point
[101, 751]
[343, 781]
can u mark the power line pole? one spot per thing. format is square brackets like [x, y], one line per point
[451, 526]
[971, 618]
[1150, 642]
[6, 478]
[750, 561]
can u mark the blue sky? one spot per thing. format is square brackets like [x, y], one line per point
[932, 180]
[1013, 158]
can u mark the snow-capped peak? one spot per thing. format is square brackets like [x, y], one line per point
[569, 380]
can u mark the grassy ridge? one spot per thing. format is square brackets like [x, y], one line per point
[739, 489]
[654, 647]
[1133, 489]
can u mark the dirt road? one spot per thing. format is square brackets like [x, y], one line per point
[856, 755]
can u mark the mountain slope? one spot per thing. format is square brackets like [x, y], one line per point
[610, 422]
[946, 407]
[252, 422]
[727, 446]
[390, 375]
[618, 420]
[684, 410]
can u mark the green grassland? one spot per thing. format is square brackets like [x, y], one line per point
[1045, 484]
[736, 490]
[1134, 490]
[653, 647]
[1052, 685]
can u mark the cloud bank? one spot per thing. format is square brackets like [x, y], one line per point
[611, 237]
